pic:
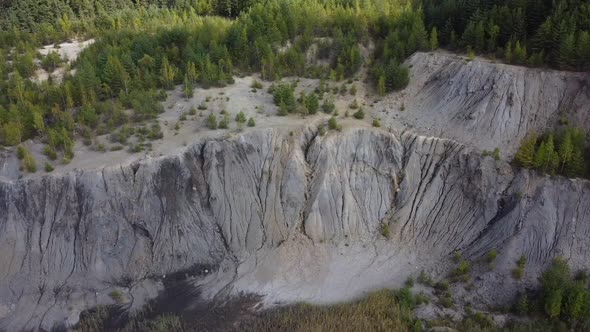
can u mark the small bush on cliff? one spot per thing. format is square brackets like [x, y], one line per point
[212, 121]
[491, 258]
[425, 279]
[117, 296]
[333, 124]
[385, 230]
[518, 272]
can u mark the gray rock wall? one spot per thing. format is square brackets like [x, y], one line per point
[66, 240]
[491, 105]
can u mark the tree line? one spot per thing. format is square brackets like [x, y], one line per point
[529, 32]
[37, 15]
[563, 152]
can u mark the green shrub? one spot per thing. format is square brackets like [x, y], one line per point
[283, 95]
[48, 168]
[328, 106]
[241, 117]
[522, 305]
[212, 121]
[405, 298]
[385, 230]
[359, 115]
[21, 152]
[446, 300]
[333, 124]
[224, 123]
[496, 154]
[256, 84]
[117, 296]
[29, 163]
[518, 272]
[409, 282]
[251, 122]
[442, 286]
[425, 279]
[462, 269]
[491, 258]
[376, 123]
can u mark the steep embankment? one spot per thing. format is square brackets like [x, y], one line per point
[487, 104]
[293, 217]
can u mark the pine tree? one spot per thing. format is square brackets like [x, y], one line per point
[547, 159]
[553, 304]
[187, 88]
[480, 36]
[525, 156]
[192, 73]
[508, 52]
[433, 39]
[313, 103]
[381, 85]
[567, 50]
[519, 53]
[583, 49]
[212, 121]
[566, 150]
[241, 117]
[576, 165]
[115, 75]
[167, 74]
[493, 33]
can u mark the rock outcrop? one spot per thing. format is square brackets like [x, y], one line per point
[491, 105]
[291, 217]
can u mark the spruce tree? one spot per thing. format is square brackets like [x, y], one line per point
[583, 49]
[188, 88]
[508, 52]
[519, 55]
[433, 39]
[191, 73]
[566, 151]
[212, 121]
[167, 74]
[567, 51]
[525, 156]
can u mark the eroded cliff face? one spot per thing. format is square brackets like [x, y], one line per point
[292, 217]
[491, 105]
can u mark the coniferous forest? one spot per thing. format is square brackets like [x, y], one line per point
[528, 32]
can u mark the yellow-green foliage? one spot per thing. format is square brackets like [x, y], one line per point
[377, 312]
[28, 161]
[561, 153]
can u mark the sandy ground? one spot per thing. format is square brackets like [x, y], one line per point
[234, 98]
[68, 51]
[393, 110]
